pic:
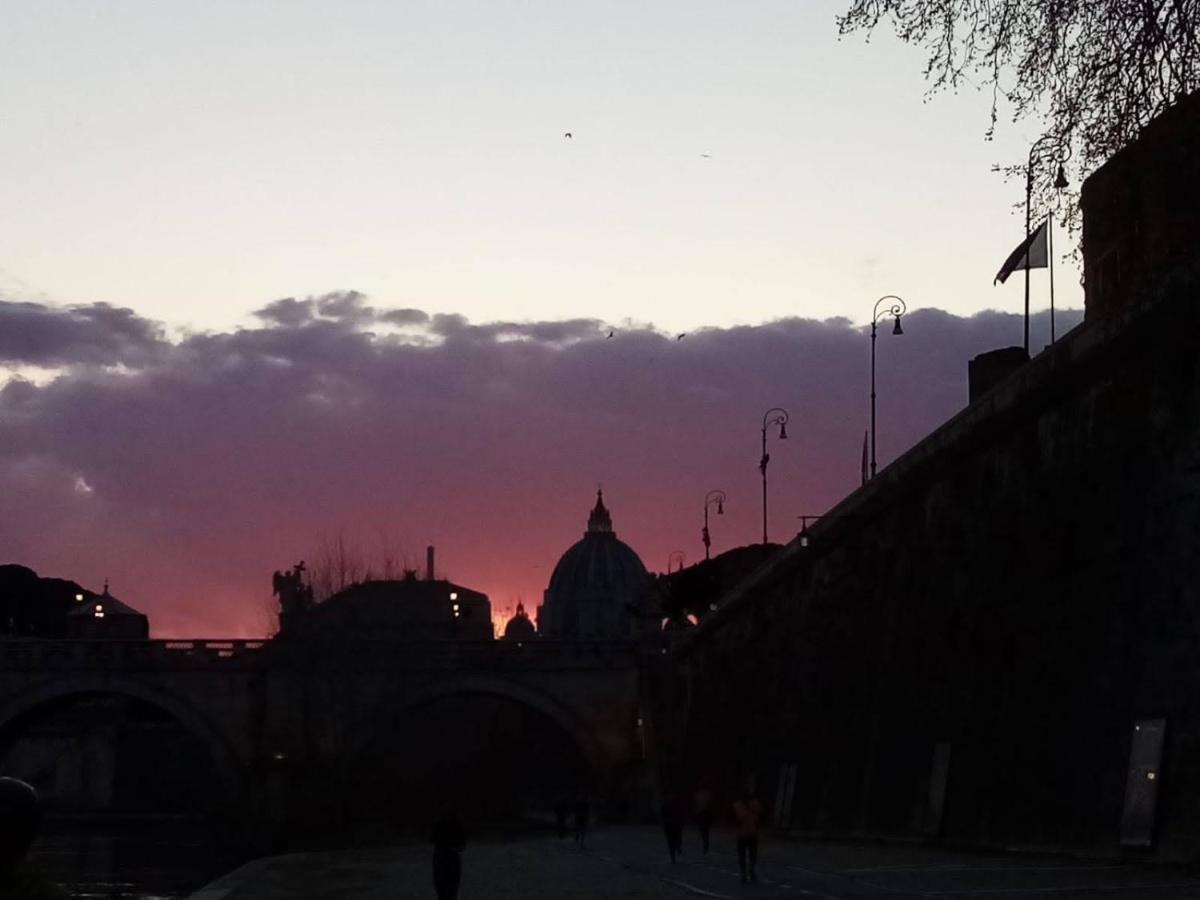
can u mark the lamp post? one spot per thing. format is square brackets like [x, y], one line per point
[1060, 184]
[1035, 153]
[774, 416]
[806, 518]
[717, 497]
[897, 309]
[676, 558]
[804, 529]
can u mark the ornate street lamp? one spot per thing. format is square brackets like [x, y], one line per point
[806, 518]
[897, 309]
[717, 497]
[804, 530]
[774, 416]
[1036, 154]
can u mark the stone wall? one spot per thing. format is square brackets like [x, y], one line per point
[1141, 211]
[1015, 592]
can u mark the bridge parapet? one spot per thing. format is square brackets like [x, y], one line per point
[42, 655]
[217, 653]
[479, 656]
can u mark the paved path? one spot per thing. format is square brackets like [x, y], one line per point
[630, 862]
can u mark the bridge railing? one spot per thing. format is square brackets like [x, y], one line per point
[236, 653]
[102, 654]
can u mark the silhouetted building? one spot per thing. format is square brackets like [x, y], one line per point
[595, 585]
[404, 609]
[519, 627]
[104, 617]
[1141, 215]
[32, 606]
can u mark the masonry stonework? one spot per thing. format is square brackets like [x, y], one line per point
[964, 647]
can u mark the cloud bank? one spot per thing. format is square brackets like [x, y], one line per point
[186, 470]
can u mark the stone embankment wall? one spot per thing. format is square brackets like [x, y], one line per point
[964, 647]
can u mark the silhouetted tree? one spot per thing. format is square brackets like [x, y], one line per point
[1093, 71]
[337, 564]
[340, 562]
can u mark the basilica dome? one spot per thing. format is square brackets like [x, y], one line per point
[593, 585]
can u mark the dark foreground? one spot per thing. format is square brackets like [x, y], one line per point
[129, 863]
[631, 862]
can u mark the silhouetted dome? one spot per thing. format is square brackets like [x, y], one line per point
[593, 584]
[597, 562]
[519, 628]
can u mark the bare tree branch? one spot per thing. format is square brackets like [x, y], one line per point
[1093, 72]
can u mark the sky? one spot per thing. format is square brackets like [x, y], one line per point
[275, 272]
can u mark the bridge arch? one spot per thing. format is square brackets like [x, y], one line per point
[226, 762]
[494, 747]
[540, 701]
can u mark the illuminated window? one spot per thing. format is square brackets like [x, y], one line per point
[79, 598]
[457, 610]
[454, 595]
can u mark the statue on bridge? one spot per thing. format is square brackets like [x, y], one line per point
[295, 597]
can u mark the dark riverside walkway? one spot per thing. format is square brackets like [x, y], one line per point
[631, 862]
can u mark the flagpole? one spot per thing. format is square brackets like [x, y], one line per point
[1050, 266]
[1028, 204]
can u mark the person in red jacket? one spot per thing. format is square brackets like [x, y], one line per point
[747, 818]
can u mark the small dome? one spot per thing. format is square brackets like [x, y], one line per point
[519, 628]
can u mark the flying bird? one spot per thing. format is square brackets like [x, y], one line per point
[610, 334]
[680, 337]
[706, 155]
[567, 135]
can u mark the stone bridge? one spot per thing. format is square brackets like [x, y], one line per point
[281, 719]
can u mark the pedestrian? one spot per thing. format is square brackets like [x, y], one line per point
[672, 824]
[562, 807]
[449, 840]
[702, 802]
[747, 815]
[581, 819]
[20, 814]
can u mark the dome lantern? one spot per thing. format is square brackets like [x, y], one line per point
[600, 521]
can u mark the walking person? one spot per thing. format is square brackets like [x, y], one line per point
[702, 802]
[449, 841]
[747, 816]
[672, 824]
[562, 807]
[581, 819]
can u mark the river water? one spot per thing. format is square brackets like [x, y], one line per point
[130, 863]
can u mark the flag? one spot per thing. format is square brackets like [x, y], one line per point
[864, 457]
[1030, 254]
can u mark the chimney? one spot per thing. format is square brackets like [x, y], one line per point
[987, 370]
[429, 563]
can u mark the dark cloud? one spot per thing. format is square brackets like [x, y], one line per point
[289, 311]
[348, 306]
[189, 480]
[97, 334]
[404, 316]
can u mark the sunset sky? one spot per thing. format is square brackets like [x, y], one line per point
[278, 272]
